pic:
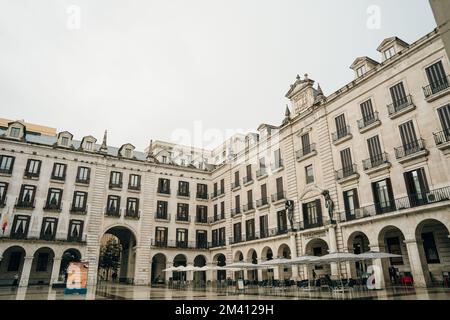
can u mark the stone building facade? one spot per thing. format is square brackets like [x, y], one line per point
[366, 168]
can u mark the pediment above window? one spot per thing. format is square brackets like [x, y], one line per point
[64, 139]
[16, 130]
[126, 151]
[88, 143]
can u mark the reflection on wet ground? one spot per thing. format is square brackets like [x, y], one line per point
[110, 291]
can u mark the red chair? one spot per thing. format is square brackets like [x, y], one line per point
[406, 280]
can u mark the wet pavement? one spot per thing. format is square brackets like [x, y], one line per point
[110, 291]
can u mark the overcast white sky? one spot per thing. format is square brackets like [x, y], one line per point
[143, 69]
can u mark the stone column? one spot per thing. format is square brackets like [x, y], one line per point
[276, 273]
[190, 274]
[26, 270]
[55, 270]
[421, 278]
[382, 265]
[169, 274]
[333, 248]
[294, 268]
[143, 267]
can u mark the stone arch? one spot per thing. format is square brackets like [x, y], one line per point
[159, 263]
[252, 257]
[11, 265]
[68, 256]
[179, 260]
[267, 253]
[433, 242]
[238, 256]
[317, 247]
[358, 242]
[199, 276]
[284, 251]
[42, 266]
[220, 260]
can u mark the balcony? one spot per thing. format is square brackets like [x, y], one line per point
[180, 244]
[341, 135]
[162, 216]
[408, 202]
[25, 204]
[134, 187]
[279, 196]
[442, 139]
[164, 192]
[112, 212]
[235, 212]
[264, 234]
[6, 171]
[347, 174]
[47, 237]
[235, 185]
[78, 210]
[306, 152]
[311, 225]
[183, 194]
[376, 163]
[247, 180]
[31, 175]
[216, 218]
[217, 193]
[400, 107]
[82, 181]
[183, 218]
[369, 122]
[201, 219]
[115, 185]
[236, 239]
[202, 196]
[132, 214]
[261, 173]
[263, 202]
[411, 151]
[217, 244]
[277, 165]
[58, 178]
[57, 207]
[247, 208]
[437, 89]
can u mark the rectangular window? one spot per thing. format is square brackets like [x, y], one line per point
[249, 173]
[367, 112]
[161, 210]
[59, 171]
[222, 186]
[202, 214]
[250, 229]
[216, 212]
[113, 208]
[83, 175]
[375, 153]
[437, 77]
[15, 132]
[312, 213]
[309, 173]
[249, 199]
[383, 196]
[115, 179]
[89, 146]
[277, 159]
[75, 230]
[398, 95]
[202, 191]
[429, 246]
[237, 201]
[6, 164]
[215, 237]
[183, 212]
[444, 117]
[183, 188]
[237, 232]
[79, 201]
[389, 53]
[222, 209]
[132, 207]
[26, 197]
[182, 238]
[202, 239]
[20, 226]
[409, 138]
[394, 247]
[135, 182]
[48, 230]
[33, 168]
[306, 144]
[264, 199]
[236, 179]
[54, 199]
[264, 226]
[346, 161]
[341, 127]
[164, 186]
[361, 71]
[282, 221]
[416, 186]
[161, 236]
[351, 203]
[3, 190]
[222, 236]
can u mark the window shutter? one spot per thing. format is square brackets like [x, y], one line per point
[319, 211]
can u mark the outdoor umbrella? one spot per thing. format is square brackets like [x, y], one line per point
[243, 266]
[369, 255]
[337, 257]
[171, 269]
[275, 262]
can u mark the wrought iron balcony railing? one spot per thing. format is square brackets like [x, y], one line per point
[399, 105]
[438, 86]
[376, 161]
[409, 149]
[368, 120]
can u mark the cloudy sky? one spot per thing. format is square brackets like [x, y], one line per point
[152, 69]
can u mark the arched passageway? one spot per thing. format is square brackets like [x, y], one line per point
[42, 266]
[159, 262]
[11, 266]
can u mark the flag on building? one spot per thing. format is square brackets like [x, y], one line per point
[5, 221]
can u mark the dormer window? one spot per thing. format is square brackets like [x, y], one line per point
[89, 146]
[65, 141]
[15, 132]
[389, 53]
[164, 159]
[361, 71]
[127, 153]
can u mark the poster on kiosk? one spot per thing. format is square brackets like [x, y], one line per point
[77, 274]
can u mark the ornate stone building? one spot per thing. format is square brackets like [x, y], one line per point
[366, 168]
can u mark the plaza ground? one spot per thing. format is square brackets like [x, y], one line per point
[110, 291]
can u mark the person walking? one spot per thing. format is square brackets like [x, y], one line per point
[114, 276]
[16, 280]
